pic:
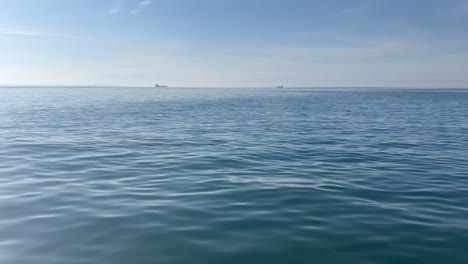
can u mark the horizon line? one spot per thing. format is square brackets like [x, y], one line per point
[217, 87]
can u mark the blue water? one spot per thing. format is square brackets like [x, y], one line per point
[141, 175]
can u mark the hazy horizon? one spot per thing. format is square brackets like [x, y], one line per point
[227, 87]
[207, 43]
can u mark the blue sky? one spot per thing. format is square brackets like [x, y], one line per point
[245, 43]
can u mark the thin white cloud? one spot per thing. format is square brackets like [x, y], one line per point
[22, 33]
[116, 7]
[360, 7]
[145, 3]
[142, 4]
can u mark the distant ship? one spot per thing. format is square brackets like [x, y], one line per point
[280, 86]
[158, 85]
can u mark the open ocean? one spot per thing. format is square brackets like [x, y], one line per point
[172, 175]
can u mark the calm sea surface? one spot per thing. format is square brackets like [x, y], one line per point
[142, 175]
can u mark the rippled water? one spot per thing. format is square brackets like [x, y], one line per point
[135, 175]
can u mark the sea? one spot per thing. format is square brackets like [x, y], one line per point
[216, 175]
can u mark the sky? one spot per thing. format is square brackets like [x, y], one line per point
[235, 43]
